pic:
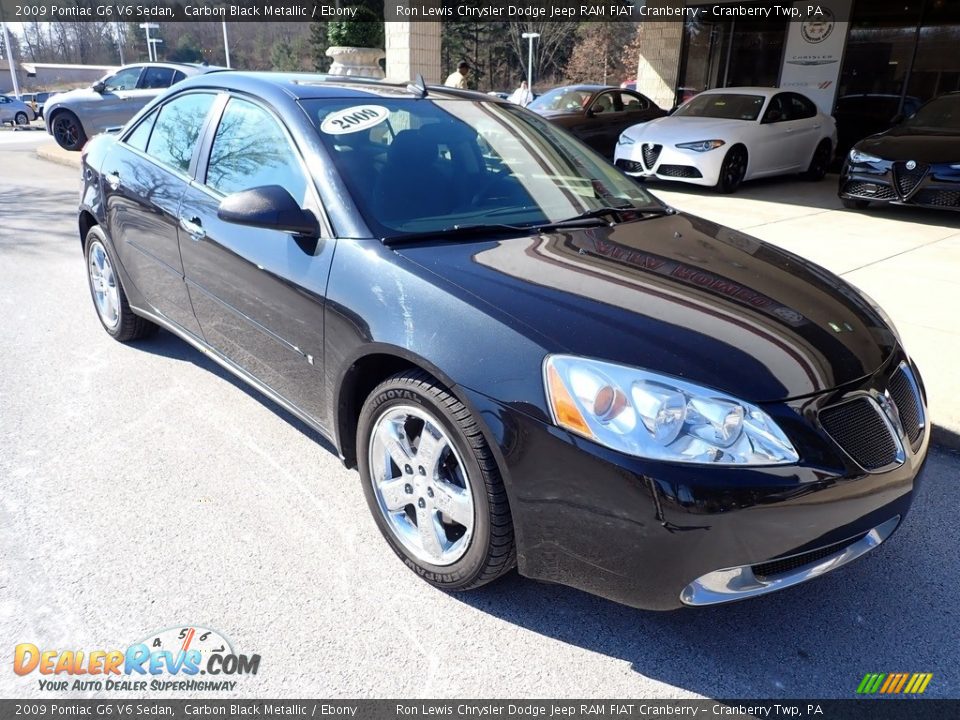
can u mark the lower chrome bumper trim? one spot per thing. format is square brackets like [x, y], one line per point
[739, 583]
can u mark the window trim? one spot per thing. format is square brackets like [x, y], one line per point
[150, 109]
[205, 147]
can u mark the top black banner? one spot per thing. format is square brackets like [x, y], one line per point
[421, 11]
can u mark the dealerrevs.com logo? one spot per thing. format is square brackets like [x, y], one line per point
[182, 659]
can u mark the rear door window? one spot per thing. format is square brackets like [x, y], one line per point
[177, 130]
[156, 78]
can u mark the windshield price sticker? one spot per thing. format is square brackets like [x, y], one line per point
[354, 119]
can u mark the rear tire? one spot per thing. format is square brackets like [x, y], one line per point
[439, 502]
[853, 204]
[109, 299]
[21, 119]
[67, 131]
[820, 162]
[733, 170]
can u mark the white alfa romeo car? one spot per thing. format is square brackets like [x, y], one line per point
[722, 137]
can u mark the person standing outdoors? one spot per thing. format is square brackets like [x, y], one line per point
[522, 95]
[458, 78]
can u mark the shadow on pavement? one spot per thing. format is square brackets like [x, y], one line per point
[894, 610]
[168, 345]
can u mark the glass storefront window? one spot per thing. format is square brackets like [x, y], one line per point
[735, 53]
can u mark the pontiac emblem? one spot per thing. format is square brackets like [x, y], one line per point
[911, 164]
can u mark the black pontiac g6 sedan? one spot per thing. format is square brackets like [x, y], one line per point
[530, 360]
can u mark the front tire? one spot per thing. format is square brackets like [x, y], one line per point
[67, 131]
[733, 170]
[21, 119]
[433, 485]
[109, 299]
[819, 162]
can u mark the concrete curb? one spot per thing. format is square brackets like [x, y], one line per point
[56, 154]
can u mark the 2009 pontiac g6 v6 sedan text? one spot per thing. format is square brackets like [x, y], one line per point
[531, 360]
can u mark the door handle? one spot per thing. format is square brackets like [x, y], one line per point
[112, 179]
[194, 228]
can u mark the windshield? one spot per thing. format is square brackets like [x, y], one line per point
[726, 106]
[940, 114]
[421, 165]
[562, 100]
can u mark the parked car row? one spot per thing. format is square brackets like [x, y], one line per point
[15, 112]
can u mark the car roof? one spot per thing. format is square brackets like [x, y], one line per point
[186, 68]
[309, 86]
[765, 91]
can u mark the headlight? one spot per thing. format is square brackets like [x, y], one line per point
[701, 145]
[659, 417]
[625, 140]
[858, 156]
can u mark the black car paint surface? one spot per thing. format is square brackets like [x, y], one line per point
[317, 322]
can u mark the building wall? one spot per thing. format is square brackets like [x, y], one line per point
[659, 62]
[412, 48]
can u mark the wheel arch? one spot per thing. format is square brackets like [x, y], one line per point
[360, 376]
[85, 221]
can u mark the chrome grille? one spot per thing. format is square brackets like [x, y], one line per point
[859, 427]
[772, 568]
[907, 180]
[651, 153]
[905, 395]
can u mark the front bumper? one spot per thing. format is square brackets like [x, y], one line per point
[644, 533]
[924, 185]
[666, 162]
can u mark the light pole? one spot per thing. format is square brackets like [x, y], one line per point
[226, 43]
[153, 44]
[530, 37]
[8, 51]
[147, 27]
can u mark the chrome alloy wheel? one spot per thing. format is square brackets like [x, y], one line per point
[103, 282]
[421, 485]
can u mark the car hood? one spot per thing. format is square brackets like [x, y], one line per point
[673, 129]
[901, 144]
[76, 94]
[680, 296]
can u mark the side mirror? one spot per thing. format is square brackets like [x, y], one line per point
[591, 113]
[99, 87]
[269, 207]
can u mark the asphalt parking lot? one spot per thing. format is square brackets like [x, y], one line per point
[142, 488]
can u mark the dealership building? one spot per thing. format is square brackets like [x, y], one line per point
[865, 61]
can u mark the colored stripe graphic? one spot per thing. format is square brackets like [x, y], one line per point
[894, 683]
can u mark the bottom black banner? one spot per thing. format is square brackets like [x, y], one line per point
[876, 709]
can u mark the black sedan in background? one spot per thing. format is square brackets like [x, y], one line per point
[596, 114]
[531, 361]
[915, 163]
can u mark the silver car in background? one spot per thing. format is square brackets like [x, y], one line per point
[15, 112]
[74, 116]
